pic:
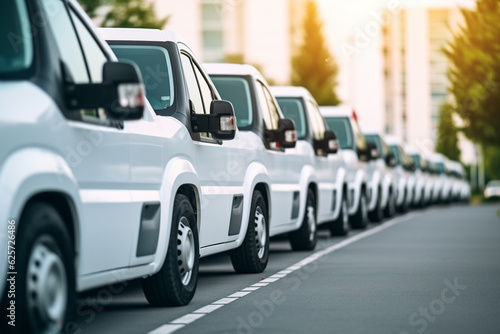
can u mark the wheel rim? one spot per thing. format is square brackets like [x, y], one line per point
[345, 215]
[47, 289]
[311, 222]
[260, 232]
[185, 250]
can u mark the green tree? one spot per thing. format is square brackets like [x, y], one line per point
[313, 66]
[447, 141]
[474, 55]
[491, 162]
[125, 13]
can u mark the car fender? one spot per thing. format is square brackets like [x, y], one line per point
[256, 173]
[21, 179]
[178, 172]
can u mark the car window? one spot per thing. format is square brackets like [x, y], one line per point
[375, 139]
[93, 53]
[318, 123]
[156, 70]
[397, 153]
[416, 160]
[293, 109]
[192, 84]
[206, 91]
[359, 136]
[271, 116]
[237, 91]
[16, 43]
[342, 128]
[66, 39]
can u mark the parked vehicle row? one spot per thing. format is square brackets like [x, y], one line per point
[131, 160]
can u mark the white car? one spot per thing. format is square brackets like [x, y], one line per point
[381, 171]
[294, 187]
[443, 184]
[233, 183]
[314, 138]
[492, 189]
[357, 155]
[423, 180]
[403, 178]
[461, 189]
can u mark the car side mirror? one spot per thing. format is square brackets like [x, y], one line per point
[221, 122]
[390, 160]
[328, 145]
[285, 135]
[121, 93]
[372, 151]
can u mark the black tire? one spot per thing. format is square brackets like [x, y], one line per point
[45, 283]
[305, 237]
[175, 283]
[360, 219]
[403, 208]
[390, 208]
[252, 255]
[340, 226]
[377, 214]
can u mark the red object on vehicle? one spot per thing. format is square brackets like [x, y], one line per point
[354, 115]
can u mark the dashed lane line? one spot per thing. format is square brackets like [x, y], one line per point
[189, 318]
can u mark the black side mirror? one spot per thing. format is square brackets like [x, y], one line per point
[328, 145]
[285, 135]
[390, 160]
[372, 151]
[221, 122]
[121, 93]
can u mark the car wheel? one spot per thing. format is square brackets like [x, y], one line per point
[360, 219]
[252, 255]
[46, 294]
[377, 214]
[305, 237]
[340, 226]
[175, 283]
[403, 208]
[390, 209]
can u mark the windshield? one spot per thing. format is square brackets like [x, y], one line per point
[495, 184]
[342, 128]
[156, 70]
[237, 91]
[293, 109]
[16, 45]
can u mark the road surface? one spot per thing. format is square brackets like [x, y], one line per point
[430, 271]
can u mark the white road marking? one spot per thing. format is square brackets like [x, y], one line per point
[191, 317]
[240, 294]
[187, 319]
[208, 309]
[166, 329]
[225, 301]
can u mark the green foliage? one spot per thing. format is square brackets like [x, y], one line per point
[125, 13]
[447, 141]
[313, 66]
[474, 55]
[491, 156]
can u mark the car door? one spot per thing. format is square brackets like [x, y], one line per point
[221, 183]
[95, 148]
[326, 167]
[285, 192]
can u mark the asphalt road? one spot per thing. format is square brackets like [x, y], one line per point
[430, 271]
